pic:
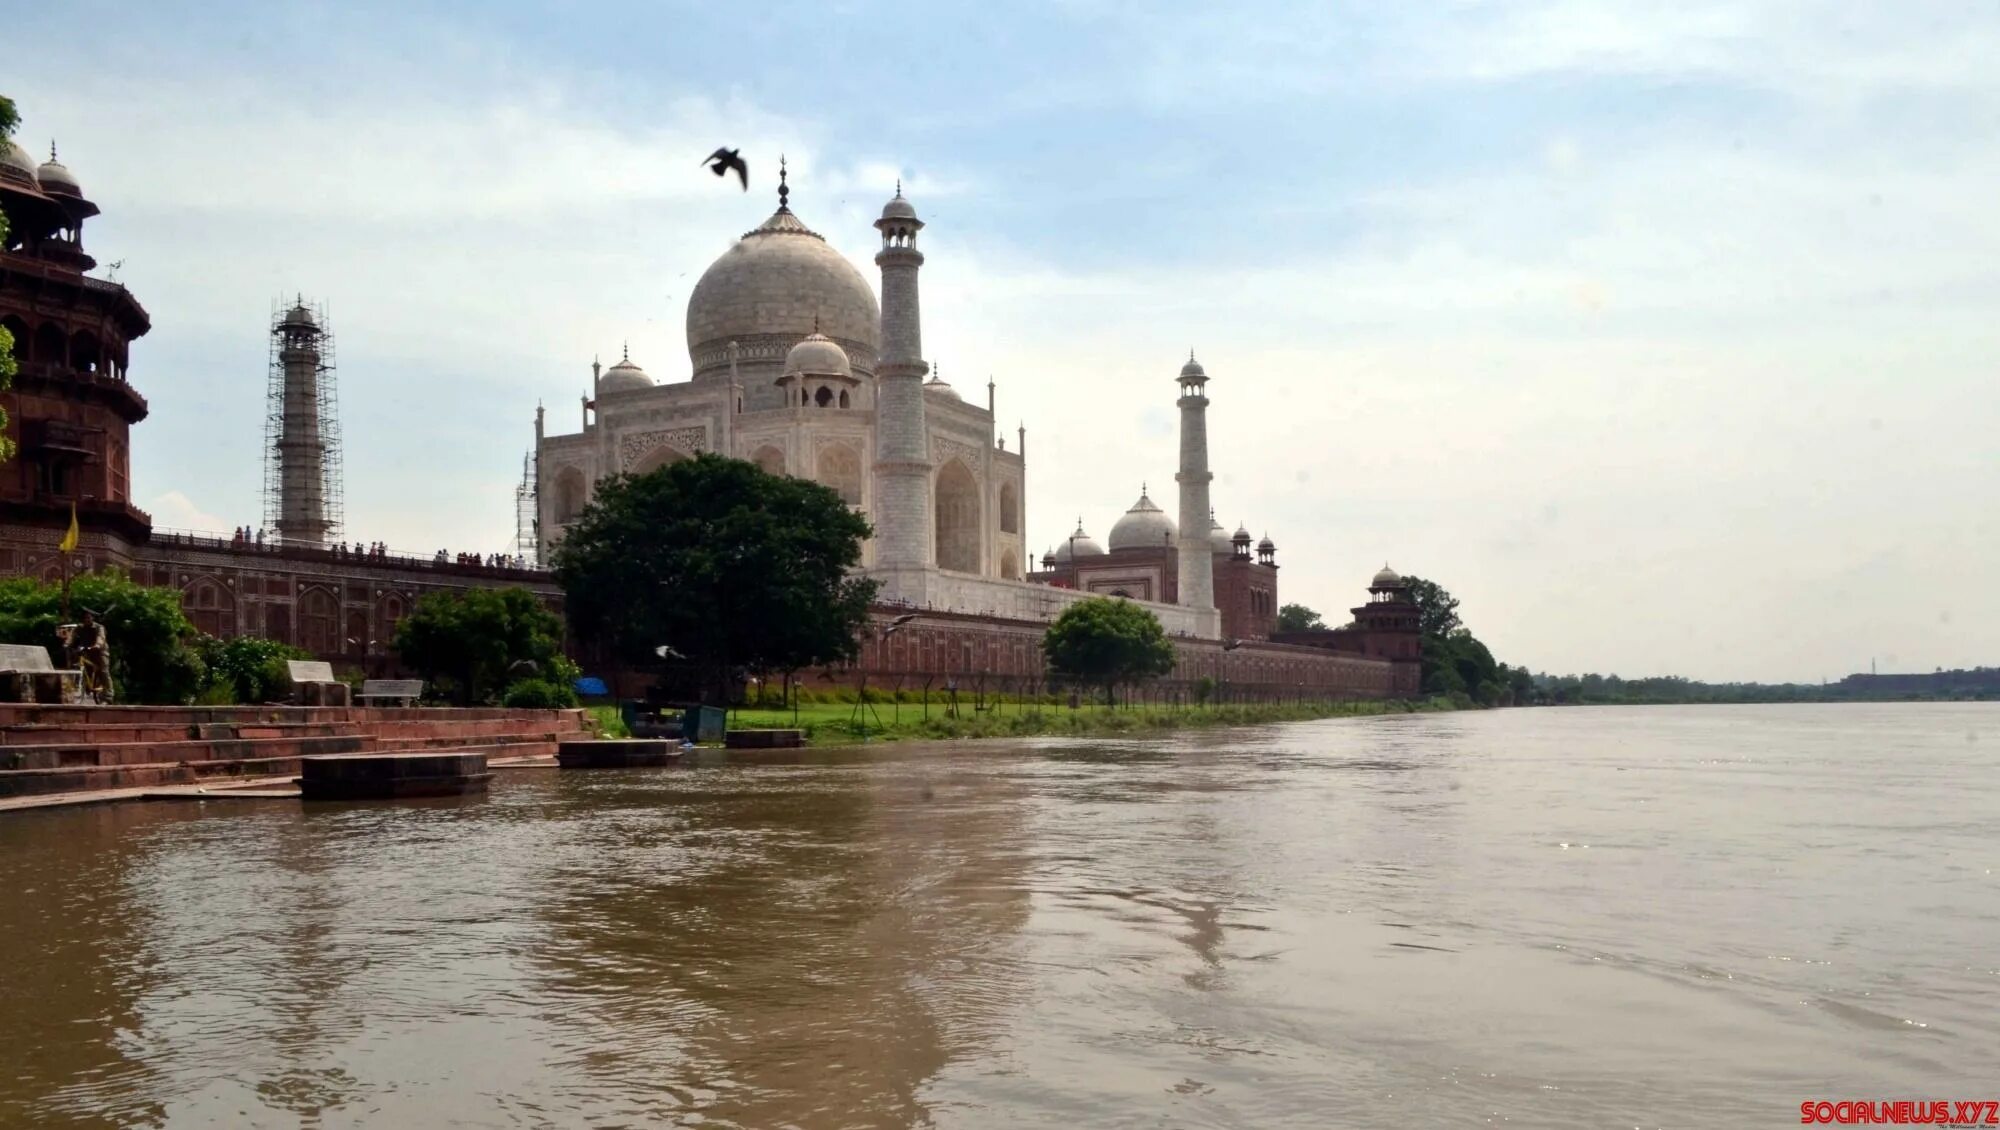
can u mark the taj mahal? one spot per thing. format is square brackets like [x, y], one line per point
[794, 366]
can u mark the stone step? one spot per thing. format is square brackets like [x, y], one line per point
[15, 714]
[87, 778]
[61, 756]
[42, 734]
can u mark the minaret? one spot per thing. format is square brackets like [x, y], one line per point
[301, 447]
[902, 447]
[1197, 567]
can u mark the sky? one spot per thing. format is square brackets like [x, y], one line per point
[1665, 336]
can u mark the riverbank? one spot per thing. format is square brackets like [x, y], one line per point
[838, 723]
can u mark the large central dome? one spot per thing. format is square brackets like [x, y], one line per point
[769, 291]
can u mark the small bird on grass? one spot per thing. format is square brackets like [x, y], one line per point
[723, 160]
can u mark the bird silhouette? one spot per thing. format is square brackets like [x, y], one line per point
[723, 160]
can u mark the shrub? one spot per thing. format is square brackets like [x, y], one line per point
[151, 661]
[250, 670]
[538, 694]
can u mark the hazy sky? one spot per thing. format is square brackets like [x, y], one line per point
[1667, 336]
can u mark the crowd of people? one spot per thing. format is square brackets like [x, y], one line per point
[246, 537]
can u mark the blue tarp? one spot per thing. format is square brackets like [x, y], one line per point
[591, 684]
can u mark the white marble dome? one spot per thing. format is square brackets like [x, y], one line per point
[898, 208]
[1386, 579]
[1078, 544]
[937, 387]
[1218, 538]
[769, 290]
[1145, 526]
[818, 355]
[624, 377]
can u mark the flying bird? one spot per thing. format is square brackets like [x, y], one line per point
[723, 160]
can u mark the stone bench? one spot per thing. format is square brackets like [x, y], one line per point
[402, 692]
[313, 684]
[26, 675]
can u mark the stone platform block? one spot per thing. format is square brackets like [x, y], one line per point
[379, 776]
[764, 739]
[616, 753]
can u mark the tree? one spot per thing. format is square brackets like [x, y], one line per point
[1105, 641]
[1298, 618]
[474, 641]
[1437, 610]
[151, 660]
[8, 120]
[730, 569]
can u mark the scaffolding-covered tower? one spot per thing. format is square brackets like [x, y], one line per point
[302, 479]
[527, 521]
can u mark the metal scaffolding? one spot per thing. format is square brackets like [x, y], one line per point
[315, 423]
[527, 515]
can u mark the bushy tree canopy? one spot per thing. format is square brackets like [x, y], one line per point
[1108, 641]
[730, 568]
[152, 658]
[1298, 618]
[252, 669]
[471, 643]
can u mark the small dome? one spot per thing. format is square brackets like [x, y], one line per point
[1145, 526]
[898, 208]
[55, 176]
[1218, 538]
[16, 161]
[1079, 544]
[942, 389]
[1192, 368]
[1386, 579]
[819, 356]
[624, 377]
[1266, 544]
[299, 316]
[1241, 536]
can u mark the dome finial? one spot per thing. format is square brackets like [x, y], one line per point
[625, 351]
[52, 149]
[784, 189]
[899, 184]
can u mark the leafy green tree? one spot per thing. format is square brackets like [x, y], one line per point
[1298, 618]
[252, 670]
[152, 660]
[1107, 641]
[1437, 610]
[473, 643]
[8, 120]
[728, 568]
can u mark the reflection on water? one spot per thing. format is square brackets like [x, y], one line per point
[1555, 918]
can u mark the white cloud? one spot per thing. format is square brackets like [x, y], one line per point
[172, 510]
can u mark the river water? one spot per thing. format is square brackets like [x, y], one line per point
[1617, 917]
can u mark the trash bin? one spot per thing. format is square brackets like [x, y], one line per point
[704, 724]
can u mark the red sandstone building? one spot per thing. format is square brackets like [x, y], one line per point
[70, 415]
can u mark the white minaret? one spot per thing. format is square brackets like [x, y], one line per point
[1197, 567]
[902, 447]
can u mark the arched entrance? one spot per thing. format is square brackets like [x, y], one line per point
[957, 511]
[655, 459]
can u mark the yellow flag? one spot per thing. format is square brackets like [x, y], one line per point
[69, 540]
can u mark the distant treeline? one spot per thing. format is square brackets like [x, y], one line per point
[1960, 685]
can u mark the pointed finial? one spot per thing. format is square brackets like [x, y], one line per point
[625, 351]
[52, 149]
[784, 189]
[899, 183]
[1142, 488]
[815, 321]
[1190, 353]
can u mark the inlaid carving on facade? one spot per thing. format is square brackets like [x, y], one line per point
[637, 445]
[944, 450]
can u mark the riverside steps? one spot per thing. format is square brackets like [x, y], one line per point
[624, 753]
[47, 749]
